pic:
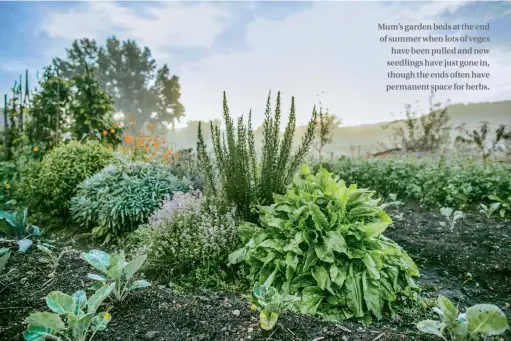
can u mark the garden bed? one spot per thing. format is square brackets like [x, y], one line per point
[471, 264]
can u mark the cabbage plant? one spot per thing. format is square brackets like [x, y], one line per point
[322, 242]
[72, 318]
[478, 320]
[116, 270]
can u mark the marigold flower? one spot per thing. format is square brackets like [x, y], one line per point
[112, 130]
[156, 144]
[132, 124]
[134, 118]
[166, 156]
[177, 155]
[105, 132]
[148, 158]
[128, 139]
[36, 149]
[150, 126]
[7, 186]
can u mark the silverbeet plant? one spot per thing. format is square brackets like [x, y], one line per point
[116, 270]
[322, 242]
[73, 318]
[478, 320]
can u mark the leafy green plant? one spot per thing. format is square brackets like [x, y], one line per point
[48, 186]
[322, 241]
[489, 210]
[15, 225]
[271, 304]
[478, 320]
[241, 178]
[451, 216]
[116, 270]
[504, 205]
[79, 313]
[122, 196]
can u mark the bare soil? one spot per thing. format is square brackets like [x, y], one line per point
[470, 264]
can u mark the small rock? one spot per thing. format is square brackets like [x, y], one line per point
[344, 338]
[151, 335]
[236, 312]
[250, 330]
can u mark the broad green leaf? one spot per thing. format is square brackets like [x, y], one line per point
[60, 303]
[372, 297]
[24, 245]
[116, 266]
[311, 299]
[139, 284]
[320, 221]
[79, 301]
[324, 252]
[371, 266]
[81, 326]
[291, 260]
[36, 333]
[336, 242]
[46, 320]
[100, 321]
[97, 298]
[432, 327]
[97, 277]
[486, 319]
[133, 266]
[321, 276]
[237, 256]
[268, 319]
[98, 259]
[338, 275]
[374, 229]
[448, 312]
[3, 261]
[354, 298]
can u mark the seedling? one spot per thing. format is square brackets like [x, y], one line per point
[72, 318]
[505, 205]
[447, 212]
[116, 270]
[15, 226]
[478, 320]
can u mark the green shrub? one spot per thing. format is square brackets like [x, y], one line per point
[189, 239]
[443, 183]
[122, 196]
[49, 185]
[323, 242]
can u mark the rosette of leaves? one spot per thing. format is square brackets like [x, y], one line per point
[116, 270]
[72, 318]
[122, 196]
[15, 225]
[478, 320]
[322, 241]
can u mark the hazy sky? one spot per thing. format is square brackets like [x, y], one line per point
[302, 49]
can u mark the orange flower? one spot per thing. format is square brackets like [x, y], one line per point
[156, 144]
[166, 156]
[7, 186]
[36, 149]
[150, 126]
[139, 133]
[112, 130]
[105, 132]
[134, 118]
[132, 124]
[177, 154]
[148, 158]
[127, 115]
[128, 139]
[146, 148]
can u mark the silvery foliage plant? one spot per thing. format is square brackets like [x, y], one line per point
[115, 269]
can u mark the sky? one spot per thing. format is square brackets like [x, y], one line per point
[328, 52]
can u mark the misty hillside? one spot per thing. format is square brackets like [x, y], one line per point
[369, 137]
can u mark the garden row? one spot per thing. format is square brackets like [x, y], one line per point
[302, 241]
